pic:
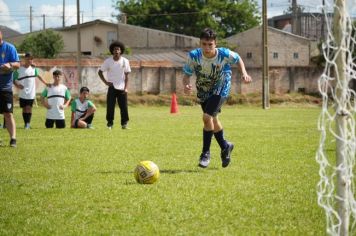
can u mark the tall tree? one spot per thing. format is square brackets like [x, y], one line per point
[189, 17]
[46, 44]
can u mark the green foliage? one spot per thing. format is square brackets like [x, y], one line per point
[45, 44]
[189, 17]
[80, 182]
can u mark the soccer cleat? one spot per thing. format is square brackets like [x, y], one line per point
[27, 126]
[109, 125]
[125, 127]
[225, 155]
[204, 159]
[13, 143]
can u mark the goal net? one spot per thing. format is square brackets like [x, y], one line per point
[337, 147]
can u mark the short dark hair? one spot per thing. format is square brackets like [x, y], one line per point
[208, 34]
[57, 72]
[117, 44]
[28, 54]
[84, 89]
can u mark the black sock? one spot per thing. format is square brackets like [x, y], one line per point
[207, 135]
[219, 136]
[27, 117]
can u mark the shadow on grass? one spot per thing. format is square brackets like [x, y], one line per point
[161, 171]
[186, 171]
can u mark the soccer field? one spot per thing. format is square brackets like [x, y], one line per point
[80, 182]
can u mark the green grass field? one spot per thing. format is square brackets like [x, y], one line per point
[80, 182]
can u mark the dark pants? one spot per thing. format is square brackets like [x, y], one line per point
[120, 96]
[60, 124]
[88, 120]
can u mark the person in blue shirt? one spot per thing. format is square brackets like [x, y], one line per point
[9, 61]
[212, 68]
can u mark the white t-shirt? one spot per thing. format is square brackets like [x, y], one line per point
[116, 71]
[27, 78]
[56, 96]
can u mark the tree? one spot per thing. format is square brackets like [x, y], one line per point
[45, 44]
[189, 17]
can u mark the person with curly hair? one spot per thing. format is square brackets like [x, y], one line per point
[117, 70]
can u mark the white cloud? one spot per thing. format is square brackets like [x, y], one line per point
[6, 19]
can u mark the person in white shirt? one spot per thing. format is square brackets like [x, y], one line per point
[82, 110]
[25, 80]
[117, 70]
[56, 98]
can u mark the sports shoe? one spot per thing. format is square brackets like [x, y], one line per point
[204, 159]
[13, 143]
[27, 126]
[125, 127]
[109, 125]
[225, 155]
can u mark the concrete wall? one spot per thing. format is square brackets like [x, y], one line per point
[162, 78]
[280, 43]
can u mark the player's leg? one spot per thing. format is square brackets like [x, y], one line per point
[60, 124]
[122, 101]
[6, 105]
[110, 106]
[211, 107]
[89, 120]
[226, 147]
[49, 123]
[26, 105]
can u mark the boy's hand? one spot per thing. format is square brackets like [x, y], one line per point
[246, 78]
[188, 89]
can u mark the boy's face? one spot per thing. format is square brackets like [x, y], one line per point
[117, 51]
[28, 61]
[84, 94]
[208, 46]
[56, 78]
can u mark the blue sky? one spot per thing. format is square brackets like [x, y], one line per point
[15, 13]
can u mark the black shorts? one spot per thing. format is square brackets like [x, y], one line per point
[6, 102]
[26, 102]
[212, 106]
[60, 124]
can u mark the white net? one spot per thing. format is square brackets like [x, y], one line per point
[336, 152]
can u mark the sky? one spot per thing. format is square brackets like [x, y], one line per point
[15, 14]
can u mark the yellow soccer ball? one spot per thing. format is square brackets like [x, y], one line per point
[146, 172]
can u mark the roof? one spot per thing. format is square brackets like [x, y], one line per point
[94, 22]
[8, 32]
[270, 29]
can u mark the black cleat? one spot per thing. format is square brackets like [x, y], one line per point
[225, 155]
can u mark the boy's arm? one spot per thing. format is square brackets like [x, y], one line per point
[244, 76]
[126, 81]
[101, 75]
[72, 120]
[42, 80]
[186, 84]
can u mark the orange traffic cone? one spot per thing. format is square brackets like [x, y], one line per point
[174, 104]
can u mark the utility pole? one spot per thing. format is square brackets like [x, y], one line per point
[64, 15]
[265, 70]
[44, 21]
[30, 18]
[322, 34]
[79, 49]
[294, 17]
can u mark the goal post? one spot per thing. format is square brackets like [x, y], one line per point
[336, 188]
